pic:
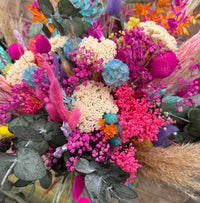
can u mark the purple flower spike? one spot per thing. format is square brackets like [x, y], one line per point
[114, 7]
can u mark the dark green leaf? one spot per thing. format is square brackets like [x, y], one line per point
[77, 25]
[4, 146]
[122, 192]
[22, 196]
[46, 31]
[112, 173]
[67, 26]
[58, 26]
[66, 8]
[21, 121]
[35, 29]
[41, 114]
[6, 160]
[46, 7]
[29, 166]
[86, 25]
[27, 133]
[83, 166]
[193, 128]
[54, 134]
[22, 183]
[46, 181]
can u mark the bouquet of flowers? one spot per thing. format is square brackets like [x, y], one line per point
[103, 90]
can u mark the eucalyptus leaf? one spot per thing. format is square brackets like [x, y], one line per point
[7, 185]
[95, 186]
[29, 165]
[66, 8]
[46, 181]
[67, 26]
[77, 25]
[122, 192]
[46, 8]
[21, 121]
[6, 160]
[46, 31]
[86, 25]
[54, 134]
[193, 128]
[27, 133]
[22, 183]
[35, 29]
[41, 113]
[40, 147]
[83, 166]
[58, 25]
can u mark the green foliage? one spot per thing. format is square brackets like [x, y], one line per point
[103, 181]
[6, 160]
[193, 128]
[46, 181]
[66, 8]
[22, 183]
[46, 8]
[29, 165]
[35, 29]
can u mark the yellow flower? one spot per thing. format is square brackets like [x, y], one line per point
[143, 144]
[133, 22]
[5, 133]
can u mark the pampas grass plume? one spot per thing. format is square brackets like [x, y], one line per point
[175, 166]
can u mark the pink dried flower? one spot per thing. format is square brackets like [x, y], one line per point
[136, 117]
[126, 159]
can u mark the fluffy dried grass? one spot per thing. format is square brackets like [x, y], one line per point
[175, 166]
[6, 24]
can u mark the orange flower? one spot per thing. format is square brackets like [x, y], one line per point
[110, 131]
[102, 123]
[161, 15]
[39, 17]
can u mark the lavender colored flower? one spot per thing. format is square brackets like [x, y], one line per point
[66, 129]
[59, 151]
[114, 7]
[164, 133]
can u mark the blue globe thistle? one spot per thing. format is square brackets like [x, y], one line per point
[71, 45]
[115, 141]
[115, 73]
[28, 76]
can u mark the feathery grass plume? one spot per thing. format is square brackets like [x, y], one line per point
[175, 166]
[192, 5]
[6, 24]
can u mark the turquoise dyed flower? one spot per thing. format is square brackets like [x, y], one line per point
[28, 76]
[115, 73]
[70, 46]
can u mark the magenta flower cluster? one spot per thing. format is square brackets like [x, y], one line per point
[94, 142]
[83, 70]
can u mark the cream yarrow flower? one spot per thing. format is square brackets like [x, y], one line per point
[158, 34]
[93, 101]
